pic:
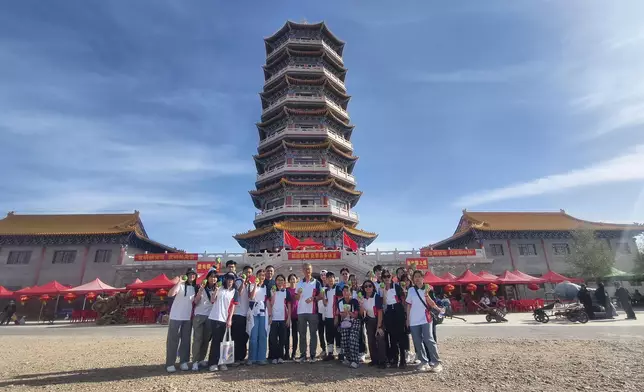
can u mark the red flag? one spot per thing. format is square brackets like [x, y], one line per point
[349, 243]
[290, 241]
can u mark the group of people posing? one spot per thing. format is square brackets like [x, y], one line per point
[256, 307]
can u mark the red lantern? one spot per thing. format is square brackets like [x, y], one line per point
[23, 299]
[140, 294]
[449, 288]
[90, 297]
[533, 286]
[162, 293]
[44, 298]
[471, 288]
[492, 288]
[70, 297]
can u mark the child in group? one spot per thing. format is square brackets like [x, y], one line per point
[257, 324]
[201, 332]
[419, 321]
[332, 293]
[348, 320]
[180, 325]
[371, 308]
[224, 300]
[280, 321]
[292, 332]
[355, 290]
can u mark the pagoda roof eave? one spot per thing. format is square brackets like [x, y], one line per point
[289, 25]
[284, 182]
[286, 112]
[304, 226]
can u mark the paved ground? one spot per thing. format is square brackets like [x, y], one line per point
[520, 355]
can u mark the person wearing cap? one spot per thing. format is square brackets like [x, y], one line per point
[231, 266]
[201, 328]
[180, 324]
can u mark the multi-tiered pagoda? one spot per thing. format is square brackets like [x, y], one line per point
[305, 156]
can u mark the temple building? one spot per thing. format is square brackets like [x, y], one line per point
[305, 157]
[535, 242]
[72, 249]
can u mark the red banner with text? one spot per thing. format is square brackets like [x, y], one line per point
[447, 252]
[205, 266]
[419, 263]
[321, 255]
[165, 256]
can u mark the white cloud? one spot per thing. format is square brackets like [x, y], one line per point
[625, 168]
[497, 75]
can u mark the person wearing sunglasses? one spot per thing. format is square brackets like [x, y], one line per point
[371, 309]
[394, 320]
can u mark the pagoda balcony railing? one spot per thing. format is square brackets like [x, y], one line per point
[304, 210]
[306, 68]
[294, 130]
[306, 41]
[305, 98]
[330, 169]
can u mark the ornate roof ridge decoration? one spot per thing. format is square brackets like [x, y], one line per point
[329, 144]
[286, 112]
[323, 80]
[290, 25]
[304, 226]
[283, 182]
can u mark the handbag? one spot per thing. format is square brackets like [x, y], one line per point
[227, 350]
[428, 312]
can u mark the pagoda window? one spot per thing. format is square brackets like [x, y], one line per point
[624, 248]
[103, 256]
[496, 249]
[561, 249]
[19, 257]
[527, 249]
[64, 257]
[274, 204]
[339, 204]
[306, 161]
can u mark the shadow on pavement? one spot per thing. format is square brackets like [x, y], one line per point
[84, 375]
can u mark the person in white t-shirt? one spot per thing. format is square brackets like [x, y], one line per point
[201, 332]
[280, 320]
[332, 294]
[238, 331]
[260, 296]
[221, 317]
[419, 321]
[180, 325]
[308, 293]
[321, 312]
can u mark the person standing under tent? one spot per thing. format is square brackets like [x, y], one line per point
[180, 324]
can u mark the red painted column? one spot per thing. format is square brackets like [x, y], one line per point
[84, 264]
[511, 257]
[40, 263]
[289, 161]
[545, 253]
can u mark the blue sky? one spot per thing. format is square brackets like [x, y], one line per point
[112, 106]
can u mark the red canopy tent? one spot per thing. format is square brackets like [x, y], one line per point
[95, 286]
[487, 275]
[529, 279]
[434, 280]
[449, 277]
[22, 291]
[137, 280]
[553, 277]
[4, 293]
[509, 278]
[310, 244]
[469, 277]
[51, 288]
[158, 282]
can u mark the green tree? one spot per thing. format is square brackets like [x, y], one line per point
[639, 259]
[590, 256]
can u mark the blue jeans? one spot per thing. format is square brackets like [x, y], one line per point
[257, 345]
[422, 337]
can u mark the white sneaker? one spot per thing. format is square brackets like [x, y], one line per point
[223, 367]
[195, 366]
[354, 365]
[171, 369]
[274, 361]
[312, 360]
[280, 361]
[203, 363]
[424, 368]
[213, 368]
[300, 359]
[184, 367]
[436, 369]
[363, 358]
[416, 362]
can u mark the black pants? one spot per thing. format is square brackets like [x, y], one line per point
[7, 317]
[218, 331]
[294, 334]
[628, 309]
[321, 333]
[377, 346]
[333, 336]
[239, 336]
[394, 321]
[277, 342]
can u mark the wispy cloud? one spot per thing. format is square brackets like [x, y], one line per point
[502, 74]
[625, 168]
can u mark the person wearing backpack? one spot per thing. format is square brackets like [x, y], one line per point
[419, 321]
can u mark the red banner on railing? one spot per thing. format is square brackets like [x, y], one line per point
[165, 256]
[419, 262]
[322, 255]
[447, 252]
[205, 266]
